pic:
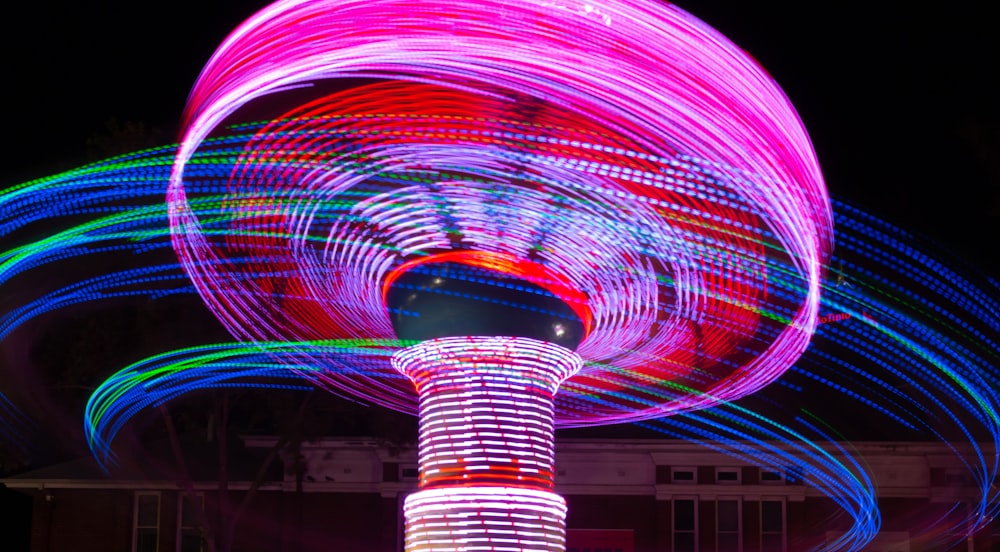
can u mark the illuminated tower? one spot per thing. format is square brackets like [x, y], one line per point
[486, 405]
[622, 163]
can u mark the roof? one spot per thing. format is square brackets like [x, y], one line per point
[155, 467]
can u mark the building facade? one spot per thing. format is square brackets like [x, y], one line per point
[623, 496]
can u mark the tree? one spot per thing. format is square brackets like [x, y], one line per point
[122, 137]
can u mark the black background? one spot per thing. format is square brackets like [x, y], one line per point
[899, 99]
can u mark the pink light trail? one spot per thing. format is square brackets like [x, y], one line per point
[624, 148]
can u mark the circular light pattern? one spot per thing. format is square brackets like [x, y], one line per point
[627, 153]
[907, 340]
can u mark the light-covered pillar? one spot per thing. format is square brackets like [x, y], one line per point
[486, 447]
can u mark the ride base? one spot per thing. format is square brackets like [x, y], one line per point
[486, 444]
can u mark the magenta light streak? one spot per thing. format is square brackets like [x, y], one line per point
[683, 174]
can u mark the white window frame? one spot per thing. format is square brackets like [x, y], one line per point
[135, 518]
[784, 522]
[402, 468]
[739, 521]
[729, 469]
[776, 471]
[675, 469]
[673, 521]
[181, 497]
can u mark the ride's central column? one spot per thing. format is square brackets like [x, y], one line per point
[486, 447]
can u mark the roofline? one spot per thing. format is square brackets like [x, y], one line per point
[132, 485]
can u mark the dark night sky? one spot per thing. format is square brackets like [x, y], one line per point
[889, 96]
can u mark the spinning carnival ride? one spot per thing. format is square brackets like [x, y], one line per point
[664, 241]
[618, 173]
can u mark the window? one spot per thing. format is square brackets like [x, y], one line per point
[685, 524]
[727, 476]
[771, 476]
[408, 472]
[772, 525]
[956, 477]
[190, 533]
[795, 475]
[683, 475]
[146, 522]
[728, 522]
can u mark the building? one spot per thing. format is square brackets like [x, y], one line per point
[623, 496]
